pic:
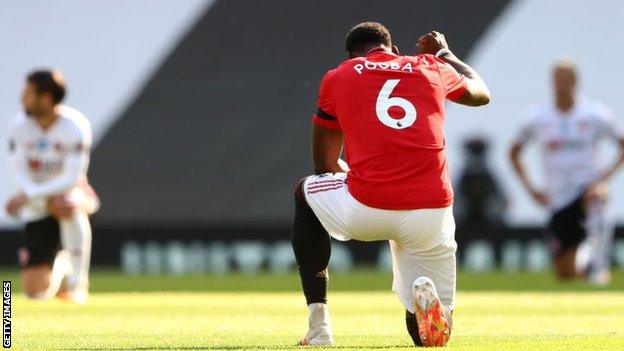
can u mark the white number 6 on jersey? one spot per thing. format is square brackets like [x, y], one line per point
[384, 102]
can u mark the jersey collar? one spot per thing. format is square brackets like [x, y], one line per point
[379, 49]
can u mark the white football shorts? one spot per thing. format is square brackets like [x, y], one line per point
[422, 241]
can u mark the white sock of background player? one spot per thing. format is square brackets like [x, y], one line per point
[76, 240]
[600, 235]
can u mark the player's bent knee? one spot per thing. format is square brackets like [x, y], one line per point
[35, 290]
[36, 280]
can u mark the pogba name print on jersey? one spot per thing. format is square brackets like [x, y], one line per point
[368, 65]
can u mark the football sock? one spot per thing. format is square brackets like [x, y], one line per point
[312, 247]
[76, 239]
[600, 236]
[412, 327]
[318, 316]
[582, 257]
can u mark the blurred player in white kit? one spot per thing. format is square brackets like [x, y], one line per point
[49, 146]
[568, 132]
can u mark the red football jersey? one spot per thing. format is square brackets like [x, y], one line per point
[391, 111]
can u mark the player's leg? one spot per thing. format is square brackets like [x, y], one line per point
[76, 240]
[564, 263]
[85, 195]
[567, 231]
[35, 280]
[312, 247]
[323, 204]
[412, 327]
[424, 269]
[43, 264]
[73, 209]
[600, 237]
[428, 307]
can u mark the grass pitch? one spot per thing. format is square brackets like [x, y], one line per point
[240, 312]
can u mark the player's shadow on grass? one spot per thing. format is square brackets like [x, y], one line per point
[248, 347]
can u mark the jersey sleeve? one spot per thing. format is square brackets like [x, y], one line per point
[80, 137]
[17, 156]
[608, 124]
[453, 82]
[326, 114]
[83, 137]
[13, 139]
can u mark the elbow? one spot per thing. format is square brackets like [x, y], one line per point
[475, 99]
[326, 167]
[319, 167]
[477, 94]
[483, 98]
[323, 169]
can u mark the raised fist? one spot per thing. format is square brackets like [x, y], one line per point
[431, 43]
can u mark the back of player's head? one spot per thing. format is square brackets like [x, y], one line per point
[364, 35]
[48, 81]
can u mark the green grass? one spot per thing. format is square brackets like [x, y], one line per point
[498, 311]
[359, 280]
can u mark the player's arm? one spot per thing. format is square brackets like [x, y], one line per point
[610, 171]
[17, 165]
[598, 190]
[75, 161]
[326, 149]
[72, 166]
[611, 126]
[475, 91]
[327, 138]
[515, 153]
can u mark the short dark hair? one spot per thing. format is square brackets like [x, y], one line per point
[48, 81]
[367, 33]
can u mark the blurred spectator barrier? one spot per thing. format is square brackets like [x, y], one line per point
[179, 251]
[251, 257]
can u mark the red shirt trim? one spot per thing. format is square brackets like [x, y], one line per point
[326, 123]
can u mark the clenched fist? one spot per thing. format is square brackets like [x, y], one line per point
[431, 43]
